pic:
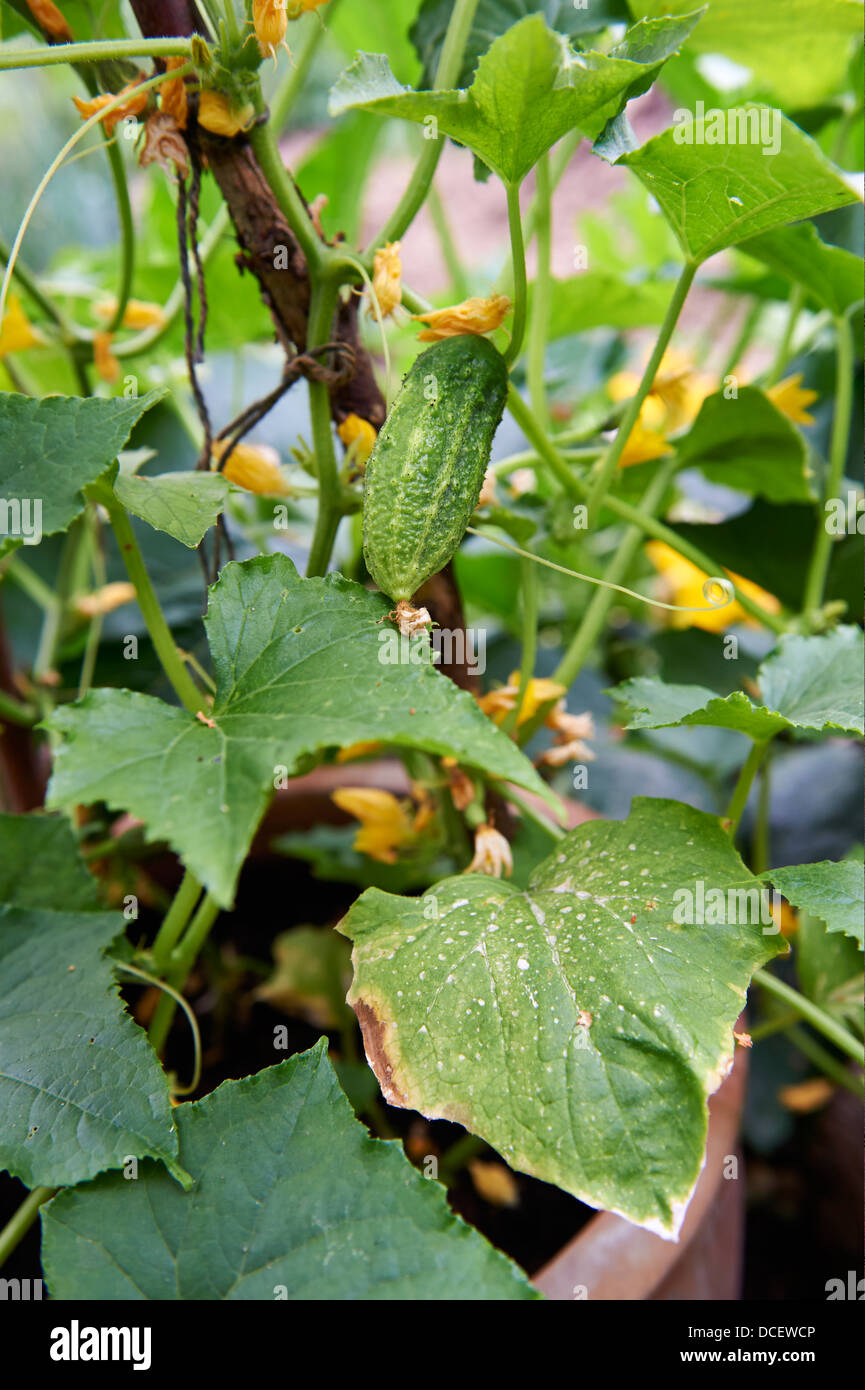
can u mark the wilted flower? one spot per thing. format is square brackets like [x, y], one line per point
[462, 788]
[164, 144]
[133, 106]
[172, 94]
[570, 731]
[49, 19]
[409, 619]
[539, 691]
[387, 278]
[684, 585]
[105, 600]
[106, 364]
[358, 436]
[216, 114]
[492, 853]
[792, 399]
[16, 331]
[254, 467]
[137, 314]
[472, 316]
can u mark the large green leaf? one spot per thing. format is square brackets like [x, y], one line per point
[808, 683]
[603, 299]
[41, 865]
[832, 275]
[579, 1026]
[293, 1200]
[80, 1086]
[798, 49]
[299, 666]
[529, 90]
[51, 449]
[185, 505]
[834, 892]
[748, 444]
[715, 195]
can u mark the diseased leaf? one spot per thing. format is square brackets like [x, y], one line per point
[716, 195]
[529, 90]
[809, 683]
[81, 1089]
[301, 665]
[51, 449]
[185, 505]
[834, 892]
[41, 865]
[313, 1209]
[748, 444]
[580, 1026]
[832, 275]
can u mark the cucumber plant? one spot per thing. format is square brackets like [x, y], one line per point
[657, 544]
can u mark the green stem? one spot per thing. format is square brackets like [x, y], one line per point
[18, 1225]
[561, 159]
[175, 920]
[824, 1059]
[760, 841]
[282, 185]
[16, 713]
[794, 309]
[327, 521]
[28, 282]
[127, 232]
[467, 1147]
[447, 74]
[529, 594]
[518, 258]
[824, 1024]
[450, 255]
[34, 587]
[743, 339]
[818, 569]
[743, 784]
[52, 625]
[541, 299]
[160, 633]
[607, 470]
[183, 959]
[102, 51]
[575, 485]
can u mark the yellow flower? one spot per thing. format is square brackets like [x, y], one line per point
[386, 822]
[358, 436]
[50, 20]
[173, 95]
[359, 750]
[387, 278]
[539, 691]
[792, 399]
[492, 854]
[642, 445]
[17, 332]
[106, 599]
[472, 316]
[674, 400]
[254, 467]
[270, 23]
[137, 314]
[217, 115]
[684, 584]
[106, 364]
[133, 106]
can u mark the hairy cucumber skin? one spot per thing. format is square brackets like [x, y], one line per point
[425, 472]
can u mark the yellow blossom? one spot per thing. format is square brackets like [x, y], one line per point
[106, 364]
[387, 278]
[105, 600]
[217, 115]
[495, 1183]
[642, 445]
[270, 23]
[359, 750]
[792, 399]
[472, 316]
[137, 314]
[492, 854]
[17, 332]
[386, 822]
[684, 585]
[677, 394]
[803, 1097]
[50, 20]
[254, 467]
[358, 436]
[173, 95]
[133, 106]
[539, 691]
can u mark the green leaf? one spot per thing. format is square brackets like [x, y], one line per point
[80, 1086]
[797, 49]
[293, 1199]
[41, 865]
[830, 971]
[748, 444]
[311, 975]
[834, 892]
[185, 505]
[715, 195]
[603, 299]
[830, 274]
[808, 683]
[578, 1027]
[529, 90]
[300, 667]
[50, 450]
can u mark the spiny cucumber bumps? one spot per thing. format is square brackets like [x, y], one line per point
[425, 472]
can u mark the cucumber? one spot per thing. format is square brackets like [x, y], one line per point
[426, 469]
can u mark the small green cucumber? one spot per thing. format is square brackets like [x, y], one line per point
[425, 472]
